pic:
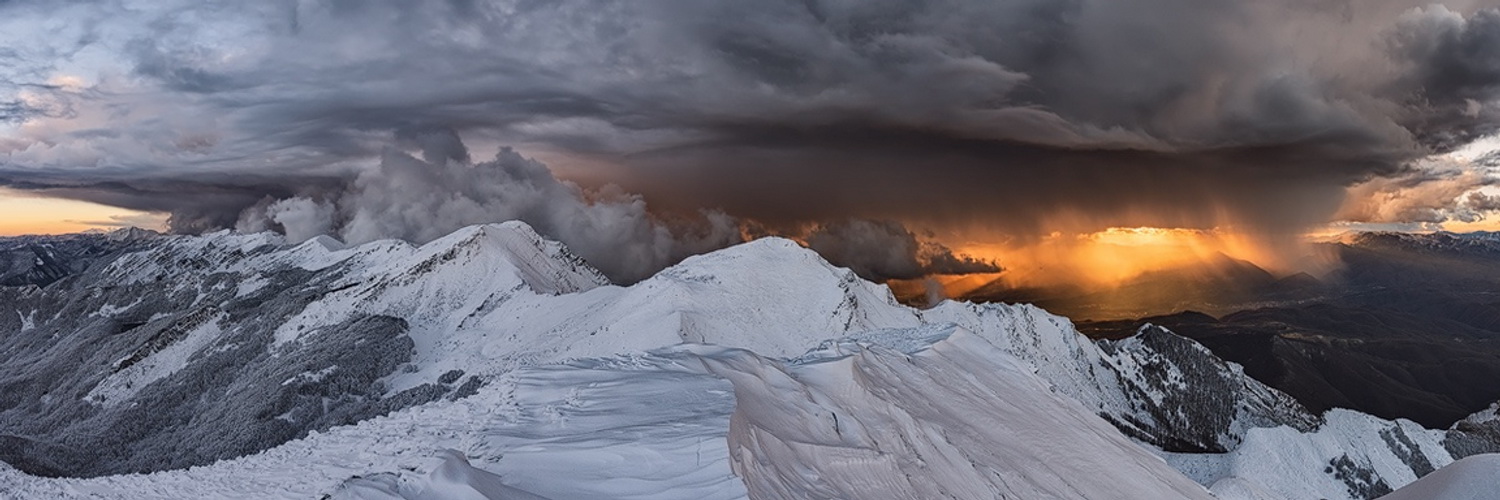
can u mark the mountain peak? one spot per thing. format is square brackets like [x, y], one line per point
[769, 248]
[544, 265]
[511, 227]
[325, 242]
[774, 244]
[131, 233]
[793, 263]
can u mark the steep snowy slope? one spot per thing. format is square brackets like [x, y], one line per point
[1473, 478]
[1157, 387]
[956, 419]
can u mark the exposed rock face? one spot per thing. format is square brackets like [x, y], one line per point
[1480, 433]
[1187, 400]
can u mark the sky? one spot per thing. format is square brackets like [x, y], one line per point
[26, 213]
[892, 136]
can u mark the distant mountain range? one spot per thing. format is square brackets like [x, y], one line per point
[1409, 327]
[40, 260]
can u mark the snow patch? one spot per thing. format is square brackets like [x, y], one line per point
[111, 310]
[251, 285]
[28, 321]
[310, 377]
[131, 377]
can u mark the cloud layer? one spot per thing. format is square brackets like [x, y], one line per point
[423, 199]
[962, 116]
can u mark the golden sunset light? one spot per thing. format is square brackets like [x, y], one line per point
[22, 213]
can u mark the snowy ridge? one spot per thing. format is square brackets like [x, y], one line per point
[721, 298]
[500, 344]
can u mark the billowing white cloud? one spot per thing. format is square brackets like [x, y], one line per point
[422, 199]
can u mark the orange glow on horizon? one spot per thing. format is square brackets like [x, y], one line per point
[24, 213]
[1488, 224]
[1108, 258]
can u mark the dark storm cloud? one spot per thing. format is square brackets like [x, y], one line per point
[1483, 203]
[885, 250]
[1454, 69]
[1456, 57]
[196, 205]
[999, 115]
[911, 175]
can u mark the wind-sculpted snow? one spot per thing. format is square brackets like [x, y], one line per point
[957, 419]
[151, 341]
[492, 341]
[1473, 478]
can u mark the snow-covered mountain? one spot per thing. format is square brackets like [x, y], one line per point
[40, 260]
[757, 371]
[1441, 242]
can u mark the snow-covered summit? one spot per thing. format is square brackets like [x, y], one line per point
[543, 265]
[325, 242]
[131, 233]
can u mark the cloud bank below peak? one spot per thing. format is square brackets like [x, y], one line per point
[422, 199]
